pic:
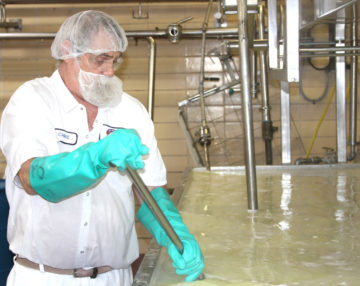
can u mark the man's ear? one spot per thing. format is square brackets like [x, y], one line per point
[66, 49]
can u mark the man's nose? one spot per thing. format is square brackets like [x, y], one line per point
[108, 71]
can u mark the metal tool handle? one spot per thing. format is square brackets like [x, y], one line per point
[183, 20]
[155, 209]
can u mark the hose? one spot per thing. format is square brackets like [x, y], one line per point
[327, 68]
[314, 100]
[322, 118]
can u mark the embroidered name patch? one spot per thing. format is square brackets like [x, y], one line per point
[66, 137]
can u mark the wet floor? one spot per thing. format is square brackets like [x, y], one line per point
[306, 231]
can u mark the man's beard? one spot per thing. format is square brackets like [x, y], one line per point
[100, 90]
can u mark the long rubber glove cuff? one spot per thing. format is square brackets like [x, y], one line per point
[191, 262]
[63, 175]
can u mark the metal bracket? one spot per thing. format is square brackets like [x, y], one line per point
[140, 14]
[12, 23]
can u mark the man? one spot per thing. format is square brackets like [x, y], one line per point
[67, 140]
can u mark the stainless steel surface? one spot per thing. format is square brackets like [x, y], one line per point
[353, 92]
[322, 11]
[147, 266]
[273, 35]
[285, 123]
[292, 40]
[230, 6]
[152, 58]
[340, 92]
[247, 106]
[281, 37]
[155, 209]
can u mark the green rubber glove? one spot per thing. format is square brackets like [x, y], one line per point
[65, 174]
[191, 262]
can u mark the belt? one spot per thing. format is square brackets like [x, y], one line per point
[78, 272]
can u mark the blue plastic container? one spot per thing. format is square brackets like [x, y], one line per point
[6, 256]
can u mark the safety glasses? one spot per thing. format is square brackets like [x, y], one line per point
[103, 62]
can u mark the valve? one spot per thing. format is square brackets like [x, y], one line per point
[174, 31]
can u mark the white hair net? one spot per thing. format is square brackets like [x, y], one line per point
[88, 32]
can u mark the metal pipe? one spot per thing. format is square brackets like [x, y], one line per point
[189, 33]
[204, 129]
[247, 106]
[267, 128]
[208, 92]
[330, 49]
[258, 44]
[253, 71]
[155, 209]
[8, 36]
[353, 94]
[90, 1]
[329, 55]
[151, 76]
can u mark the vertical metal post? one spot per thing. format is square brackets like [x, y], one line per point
[247, 106]
[267, 128]
[205, 137]
[292, 40]
[340, 89]
[353, 98]
[285, 123]
[151, 76]
[253, 70]
[273, 35]
[253, 55]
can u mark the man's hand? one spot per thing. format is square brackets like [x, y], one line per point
[191, 261]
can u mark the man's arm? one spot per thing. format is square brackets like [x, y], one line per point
[24, 176]
[65, 174]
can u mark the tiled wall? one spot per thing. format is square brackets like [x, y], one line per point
[177, 77]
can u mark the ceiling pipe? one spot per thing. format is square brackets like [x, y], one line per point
[8, 2]
[190, 33]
